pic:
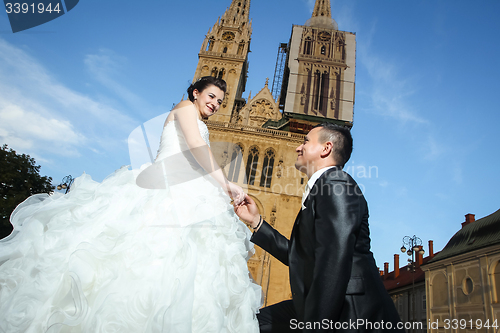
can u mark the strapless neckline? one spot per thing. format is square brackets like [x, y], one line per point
[172, 139]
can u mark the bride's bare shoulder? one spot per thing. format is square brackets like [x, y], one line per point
[181, 107]
[183, 104]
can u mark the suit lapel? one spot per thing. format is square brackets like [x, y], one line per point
[309, 210]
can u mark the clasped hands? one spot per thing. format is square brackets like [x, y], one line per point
[244, 206]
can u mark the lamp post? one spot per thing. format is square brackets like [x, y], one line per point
[414, 243]
[66, 183]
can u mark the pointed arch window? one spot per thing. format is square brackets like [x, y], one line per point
[323, 50]
[214, 72]
[210, 45]
[225, 50]
[323, 99]
[267, 169]
[317, 85]
[241, 47]
[251, 167]
[340, 44]
[221, 73]
[307, 45]
[320, 92]
[236, 158]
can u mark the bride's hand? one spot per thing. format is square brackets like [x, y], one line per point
[236, 193]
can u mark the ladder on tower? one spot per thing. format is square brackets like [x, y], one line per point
[279, 70]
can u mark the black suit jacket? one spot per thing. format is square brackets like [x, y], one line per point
[333, 274]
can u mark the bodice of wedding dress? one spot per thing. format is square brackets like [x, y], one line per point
[173, 142]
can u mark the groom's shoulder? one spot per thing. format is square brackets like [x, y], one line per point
[336, 174]
[338, 182]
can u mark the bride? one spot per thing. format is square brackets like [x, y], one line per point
[152, 250]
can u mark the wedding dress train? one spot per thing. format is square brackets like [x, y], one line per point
[169, 255]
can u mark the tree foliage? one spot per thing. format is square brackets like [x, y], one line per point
[19, 178]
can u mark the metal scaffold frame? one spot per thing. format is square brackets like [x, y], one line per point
[279, 70]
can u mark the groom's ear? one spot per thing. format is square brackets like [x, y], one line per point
[327, 149]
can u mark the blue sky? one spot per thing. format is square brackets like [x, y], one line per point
[426, 109]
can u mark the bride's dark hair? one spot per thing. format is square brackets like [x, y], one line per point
[203, 83]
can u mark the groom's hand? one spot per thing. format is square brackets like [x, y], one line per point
[248, 212]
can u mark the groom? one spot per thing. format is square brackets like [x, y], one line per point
[335, 283]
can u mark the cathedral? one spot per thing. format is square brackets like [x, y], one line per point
[254, 139]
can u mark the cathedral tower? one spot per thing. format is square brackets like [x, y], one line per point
[224, 54]
[319, 74]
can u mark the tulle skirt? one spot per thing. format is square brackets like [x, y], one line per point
[115, 257]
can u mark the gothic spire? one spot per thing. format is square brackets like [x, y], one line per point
[322, 16]
[322, 8]
[237, 13]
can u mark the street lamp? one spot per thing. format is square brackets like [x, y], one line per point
[414, 244]
[66, 183]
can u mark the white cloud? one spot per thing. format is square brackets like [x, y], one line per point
[39, 115]
[392, 94]
[310, 4]
[105, 67]
[433, 149]
[384, 183]
[25, 130]
[389, 91]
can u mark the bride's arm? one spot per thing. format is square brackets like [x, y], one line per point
[186, 115]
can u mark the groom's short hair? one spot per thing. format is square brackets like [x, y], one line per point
[341, 139]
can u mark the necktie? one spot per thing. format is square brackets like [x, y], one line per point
[304, 196]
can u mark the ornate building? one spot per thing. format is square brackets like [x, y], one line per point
[462, 282]
[254, 140]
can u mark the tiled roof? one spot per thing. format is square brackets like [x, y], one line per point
[479, 234]
[405, 277]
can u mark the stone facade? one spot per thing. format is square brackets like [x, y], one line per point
[463, 281]
[321, 73]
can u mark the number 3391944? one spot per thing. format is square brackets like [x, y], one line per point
[471, 324]
[25, 8]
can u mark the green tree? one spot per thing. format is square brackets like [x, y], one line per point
[19, 178]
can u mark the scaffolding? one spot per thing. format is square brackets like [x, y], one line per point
[279, 70]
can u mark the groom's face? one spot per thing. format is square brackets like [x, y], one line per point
[309, 152]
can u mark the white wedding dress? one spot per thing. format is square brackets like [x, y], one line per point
[167, 256]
